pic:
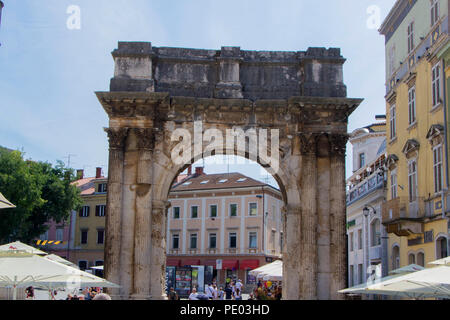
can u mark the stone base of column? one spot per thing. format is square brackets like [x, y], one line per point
[136, 296]
[162, 297]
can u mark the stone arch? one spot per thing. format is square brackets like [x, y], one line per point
[149, 100]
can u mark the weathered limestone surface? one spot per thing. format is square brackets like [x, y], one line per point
[158, 90]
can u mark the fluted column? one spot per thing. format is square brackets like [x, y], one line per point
[309, 217]
[338, 253]
[142, 230]
[158, 249]
[113, 217]
[292, 253]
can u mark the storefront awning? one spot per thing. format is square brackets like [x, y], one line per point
[191, 262]
[249, 264]
[173, 263]
[230, 264]
[210, 263]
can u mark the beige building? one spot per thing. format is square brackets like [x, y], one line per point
[229, 223]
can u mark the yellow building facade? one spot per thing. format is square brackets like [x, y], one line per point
[414, 213]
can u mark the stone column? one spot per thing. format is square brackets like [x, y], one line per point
[338, 253]
[113, 217]
[309, 217]
[292, 264]
[158, 250]
[142, 230]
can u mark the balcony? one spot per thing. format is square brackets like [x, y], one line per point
[402, 217]
[373, 182]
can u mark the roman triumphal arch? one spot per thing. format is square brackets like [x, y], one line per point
[170, 106]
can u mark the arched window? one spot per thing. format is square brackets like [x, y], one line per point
[395, 257]
[375, 235]
[411, 258]
[441, 247]
[421, 259]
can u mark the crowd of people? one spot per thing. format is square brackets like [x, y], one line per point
[232, 291]
[87, 294]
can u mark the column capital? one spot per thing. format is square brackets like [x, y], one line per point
[160, 204]
[338, 143]
[308, 143]
[116, 137]
[145, 138]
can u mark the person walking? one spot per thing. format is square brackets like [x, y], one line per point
[194, 294]
[237, 294]
[228, 292]
[172, 294]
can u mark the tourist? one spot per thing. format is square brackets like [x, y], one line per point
[221, 294]
[210, 292]
[172, 294]
[278, 294]
[239, 285]
[215, 292]
[228, 292]
[30, 293]
[194, 294]
[237, 294]
[101, 296]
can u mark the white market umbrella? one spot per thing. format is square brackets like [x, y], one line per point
[21, 270]
[57, 258]
[18, 246]
[97, 267]
[275, 275]
[4, 203]
[444, 261]
[432, 282]
[407, 269]
[266, 268]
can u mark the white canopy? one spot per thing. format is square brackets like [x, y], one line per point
[97, 267]
[57, 258]
[444, 261]
[274, 275]
[274, 267]
[432, 282]
[20, 270]
[19, 246]
[407, 269]
[4, 203]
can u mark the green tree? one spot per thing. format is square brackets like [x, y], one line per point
[40, 191]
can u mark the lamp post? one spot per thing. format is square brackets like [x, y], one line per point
[366, 212]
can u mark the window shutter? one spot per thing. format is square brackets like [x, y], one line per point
[80, 212]
[88, 209]
[97, 211]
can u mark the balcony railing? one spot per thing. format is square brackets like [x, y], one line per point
[372, 183]
[404, 217]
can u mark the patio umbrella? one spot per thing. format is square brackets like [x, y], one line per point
[444, 261]
[4, 203]
[407, 269]
[274, 275]
[57, 258]
[19, 246]
[265, 268]
[21, 270]
[432, 282]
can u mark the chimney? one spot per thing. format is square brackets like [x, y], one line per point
[80, 174]
[98, 172]
[199, 171]
[189, 170]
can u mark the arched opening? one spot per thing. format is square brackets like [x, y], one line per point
[441, 247]
[421, 259]
[226, 218]
[395, 257]
[411, 258]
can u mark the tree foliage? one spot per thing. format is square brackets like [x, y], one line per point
[41, 192]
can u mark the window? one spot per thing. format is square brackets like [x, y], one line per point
[393, 184]
[84, 236]
[392, 121]
[223, 180]
[411, 258]
[204, 182]
[100, 236]
[391, 60]
[193, 241]
[375, 233]
[102, 187]
[233, 240]
[99, 273]
[437, 168]
[59, 234]
[187, 183]
[436, 84]
[352, 276]
[272, 240]
[84, 211]
[441, 247]
[412, 179]
[233, 210]
[252, 240]
[100, 210]
[194, 212]
[44, 236]
[241, 179]
[411, 37]
[213, 211]
[351, 241]
[360, 274]
[362, 160]
[212, 240]
[253, 209]
[421, 259]
[82, 265]
[360, 240]
[176, 212]
[412, 105]
[395, 257]
[175, 241]
[434, 12]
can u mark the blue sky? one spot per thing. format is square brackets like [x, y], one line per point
[49, 73]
